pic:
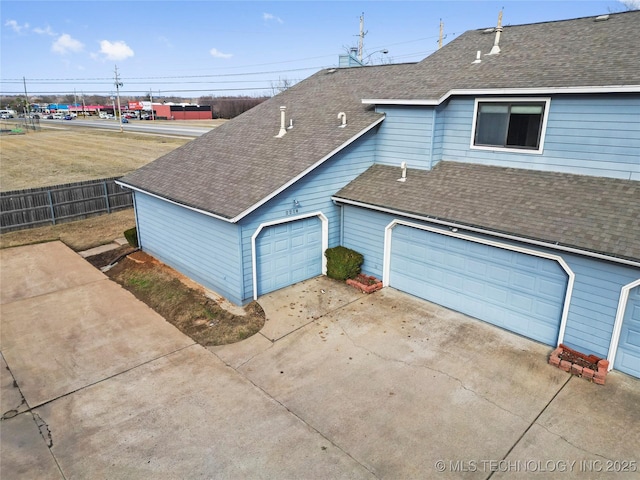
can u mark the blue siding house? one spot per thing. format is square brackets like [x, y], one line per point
[503, 184]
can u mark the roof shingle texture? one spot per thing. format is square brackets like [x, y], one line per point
[237, 165]
[595, 214]
[569, 53]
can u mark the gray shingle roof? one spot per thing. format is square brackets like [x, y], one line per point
[239, 165]
[235, 166]
[569, 53]
[595, 214]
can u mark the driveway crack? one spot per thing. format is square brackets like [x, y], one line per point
[44, 429]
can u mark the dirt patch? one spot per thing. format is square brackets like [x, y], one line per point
[79, 235]
[188, 309]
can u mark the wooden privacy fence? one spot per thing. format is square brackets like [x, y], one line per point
[35, 207]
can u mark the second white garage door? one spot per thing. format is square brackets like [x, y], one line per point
[288, 253]
[513, 290]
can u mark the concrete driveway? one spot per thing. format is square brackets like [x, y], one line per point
[337, 385]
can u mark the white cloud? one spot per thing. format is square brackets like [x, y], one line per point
[218, 54]
[44, 31]
[15, 26]
[115, 50]
[270, 17]
[65, 44]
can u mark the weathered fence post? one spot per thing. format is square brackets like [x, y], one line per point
[53, 212]
[106, 196]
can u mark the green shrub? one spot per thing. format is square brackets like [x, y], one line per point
[132, 237]
[343, 263]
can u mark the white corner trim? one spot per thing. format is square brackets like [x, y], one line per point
[522, 99]
[306, 171]
[617, 324]
[324, 224]
[386, 265]
[204, 212]
[505, 91]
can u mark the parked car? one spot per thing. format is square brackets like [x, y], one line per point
[67, 117]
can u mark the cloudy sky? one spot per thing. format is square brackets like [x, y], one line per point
[195, 48]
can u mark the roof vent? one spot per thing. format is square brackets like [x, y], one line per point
[496, 43]
[283, 129]
[403, 178]
[489, 30]
[601, 18]
[343, 116]
[478, 59]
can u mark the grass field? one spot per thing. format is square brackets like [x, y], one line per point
[64, 155]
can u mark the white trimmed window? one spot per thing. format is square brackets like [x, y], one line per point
[510, 124]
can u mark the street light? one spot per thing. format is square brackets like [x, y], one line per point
[384, 51]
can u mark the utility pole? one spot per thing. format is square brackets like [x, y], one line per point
[441, 32]
[26, 97]
[361, 39]
[118, 85]
[151, 102]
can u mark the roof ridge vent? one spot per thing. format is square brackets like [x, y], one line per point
[496, 43]
[601, 18]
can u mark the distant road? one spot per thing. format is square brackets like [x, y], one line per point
[160, 127]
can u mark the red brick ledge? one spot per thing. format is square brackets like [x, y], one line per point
[365, 283]
[587, 366]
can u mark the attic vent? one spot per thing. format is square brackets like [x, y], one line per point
[489, 30]
[331, 70]
[601, 18]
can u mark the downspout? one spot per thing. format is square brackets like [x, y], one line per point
[433, 138]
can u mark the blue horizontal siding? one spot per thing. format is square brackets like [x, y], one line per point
[313, 192]
[203, 248]
[596, 291]
[405, 136]
[587, 135]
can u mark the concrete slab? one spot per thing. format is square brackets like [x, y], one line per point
[300, 304]
[237, 354]
[39, 269]
[11, 400]
[588, 430]
[98, 250]
[401, 384]
[186, 415]
[23, 451]
[63, 341]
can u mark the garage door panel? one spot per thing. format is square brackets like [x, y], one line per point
[288, 253]
[511, 289]
[628, 352]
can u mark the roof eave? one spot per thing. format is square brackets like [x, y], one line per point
[504, 91]
[494, 233]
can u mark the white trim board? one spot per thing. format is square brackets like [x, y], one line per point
[386, 265]
[504, 91]
[617, 324]
[324, 225]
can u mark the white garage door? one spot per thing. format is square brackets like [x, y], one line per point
[628, 353]
[288, 253]
[513, 290]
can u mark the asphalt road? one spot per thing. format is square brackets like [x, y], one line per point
[179, 128]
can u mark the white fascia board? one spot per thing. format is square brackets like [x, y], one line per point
[507, 91]
[305, 172]
[204, 212]
[483, 231]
